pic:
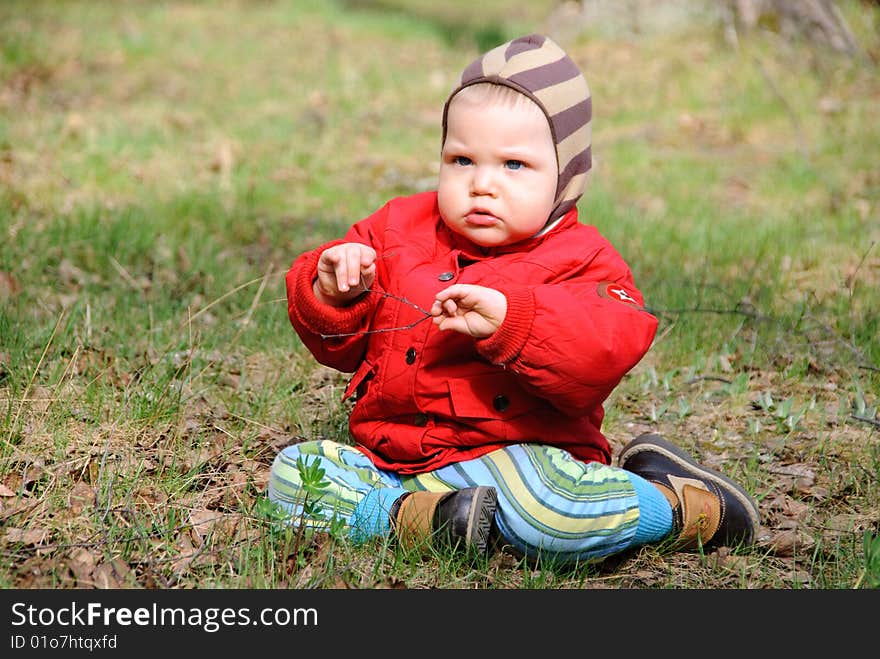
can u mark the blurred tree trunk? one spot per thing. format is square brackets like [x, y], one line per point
[820, 22]
[817, 20]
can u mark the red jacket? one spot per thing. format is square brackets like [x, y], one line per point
[425, 398]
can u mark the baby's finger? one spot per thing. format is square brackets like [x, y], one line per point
[450, 292]
[353, 267]
[368, 273]
[368, 257]
[341, 272]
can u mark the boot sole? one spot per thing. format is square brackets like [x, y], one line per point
[656, 444]
[482, 513]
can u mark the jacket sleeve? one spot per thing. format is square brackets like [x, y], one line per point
[315, 321]
[571, 342]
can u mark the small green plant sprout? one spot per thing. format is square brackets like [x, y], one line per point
[782, 412]
[765, 401]
[870, 576]
[684, 408]
[862, 411]
[739, 384]
[658, 412]
[649, 379]
[312, 483]
[272, 513]
[311, 517]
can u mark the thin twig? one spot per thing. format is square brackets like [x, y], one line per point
[219, 299]
[715, 378]
[254, 303]
[126, 276]
[739, 312]
[851, 280]
[258, 294]
[376, 331]
[400, 299]
[385, 329]
[109, 480]
[256, 423]
[873, 422]
[261, 304]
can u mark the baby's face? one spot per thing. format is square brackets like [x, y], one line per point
[498, 171]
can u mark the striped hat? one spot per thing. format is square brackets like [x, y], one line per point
[535, 66]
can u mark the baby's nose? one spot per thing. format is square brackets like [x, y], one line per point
[483, 181]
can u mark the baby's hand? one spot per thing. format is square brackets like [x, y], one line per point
[344, 272]
[473, 310]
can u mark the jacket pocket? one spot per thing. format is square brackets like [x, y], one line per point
[490, 396]
[357, 385]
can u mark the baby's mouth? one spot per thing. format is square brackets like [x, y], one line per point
[481, 218]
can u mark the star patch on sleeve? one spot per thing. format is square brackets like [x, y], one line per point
[615, 291]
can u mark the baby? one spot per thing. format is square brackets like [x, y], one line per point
[482, 427]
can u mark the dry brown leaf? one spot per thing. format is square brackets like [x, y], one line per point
[341, 584]
[389, 583]
[790, 542]
[150, 496]
[840, 527]
[187, 552]
[11, 507]
[798, 470]
[202, 455]
[112, 575]
[785, 505]
[725, 560]
[69, 274]
[203, 523]
[798, 480]
[32, 536]
[80, 497]
[261, 481]
[848, 523]
[237, 478]
[9, 285]
[29, 470]
[799, 577]
[300, 576]
[503, 560]
[82, 564]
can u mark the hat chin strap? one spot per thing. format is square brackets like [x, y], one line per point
[548, 227]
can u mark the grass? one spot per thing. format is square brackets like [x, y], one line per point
[161, 164]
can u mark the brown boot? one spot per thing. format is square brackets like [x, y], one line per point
[708, 509]
[462, 517]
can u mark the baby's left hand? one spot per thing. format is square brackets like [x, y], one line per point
[473, 310]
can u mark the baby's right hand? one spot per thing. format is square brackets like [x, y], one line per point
[344, 272]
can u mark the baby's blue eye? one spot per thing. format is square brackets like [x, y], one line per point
[462, 160]
[514, 164]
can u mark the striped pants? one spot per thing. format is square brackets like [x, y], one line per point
[549, 503]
